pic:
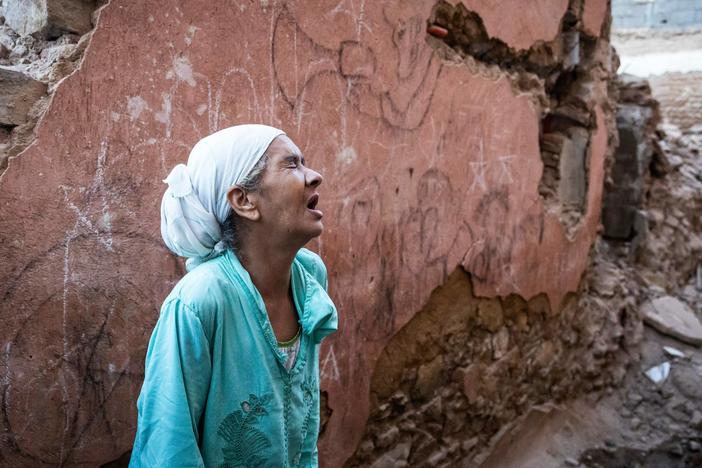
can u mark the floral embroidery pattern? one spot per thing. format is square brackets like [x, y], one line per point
[245, 443]
[308, 390]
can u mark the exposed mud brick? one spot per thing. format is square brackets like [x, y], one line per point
[429, 377]
[572, 187]
[18, 92]
[637, 118]
[49, 18]
[490, 313]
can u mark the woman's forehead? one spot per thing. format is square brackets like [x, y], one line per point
[283, 146]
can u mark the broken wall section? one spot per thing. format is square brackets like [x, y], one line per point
[466, 366]
[565, 77]
[637, 157]
[40, 43]
[653, 193]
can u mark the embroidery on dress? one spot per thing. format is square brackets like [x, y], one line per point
[245, 443]
[308, 390]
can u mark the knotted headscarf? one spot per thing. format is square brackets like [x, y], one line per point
[195, 204]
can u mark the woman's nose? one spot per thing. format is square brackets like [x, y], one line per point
[313, 178]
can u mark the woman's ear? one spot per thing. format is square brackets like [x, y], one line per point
[243, 204]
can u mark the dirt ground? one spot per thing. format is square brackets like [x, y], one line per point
[641, 424]
[645, 41]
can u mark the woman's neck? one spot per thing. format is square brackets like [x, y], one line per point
[268, 265]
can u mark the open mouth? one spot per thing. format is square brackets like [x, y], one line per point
[312, 206]
[312, 202]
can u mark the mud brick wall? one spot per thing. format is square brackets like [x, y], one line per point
[463, 190]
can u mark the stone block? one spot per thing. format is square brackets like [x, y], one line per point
[7, 37]
[673, 317]
[49, 18]
[18, 92]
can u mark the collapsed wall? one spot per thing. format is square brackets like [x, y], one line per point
[464, 174]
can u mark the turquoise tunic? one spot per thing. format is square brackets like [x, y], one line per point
[216, 392]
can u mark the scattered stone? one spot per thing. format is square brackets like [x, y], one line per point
[659, 373]
[500, 343]
[470, 377]
[384, 410]
[676, 449]
[635, 398]
[433, 409]
[437, 457]
[694, 446]
[388, 437]
[572, 462]
[468, 445]
[696, 419]
[396, 457]
[19, 93]
[49, 18]
[673, 352]
[689, 381]
[366, 448]
[635, 423]
[673, 317]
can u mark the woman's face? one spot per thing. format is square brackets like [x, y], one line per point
[288, 197]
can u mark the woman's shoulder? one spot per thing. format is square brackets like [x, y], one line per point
[206, 288]
[313, 264]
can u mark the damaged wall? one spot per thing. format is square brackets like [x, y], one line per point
[472, 162]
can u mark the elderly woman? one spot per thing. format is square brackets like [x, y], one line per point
[232, 368]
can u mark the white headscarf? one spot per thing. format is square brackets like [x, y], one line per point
[195, 204]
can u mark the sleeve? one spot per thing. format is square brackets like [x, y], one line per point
[176, 381]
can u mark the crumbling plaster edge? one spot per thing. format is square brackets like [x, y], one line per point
[57, 87]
